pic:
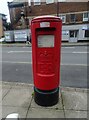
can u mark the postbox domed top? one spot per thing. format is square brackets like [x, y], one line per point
[46, 17]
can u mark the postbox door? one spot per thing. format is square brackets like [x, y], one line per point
[47, 61]
[45, 54]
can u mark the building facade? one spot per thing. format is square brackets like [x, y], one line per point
[74, 15]
[2, 24]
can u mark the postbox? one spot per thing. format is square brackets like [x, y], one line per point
[46, 49]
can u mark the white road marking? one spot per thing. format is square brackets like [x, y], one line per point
[74, 52]
[62, 64]
[80, 52]
[15, 83]
[61, 52]
[24, 47]
[75, 65]
[14, 62]
[69, 47]
[20, 52]
[66, 52]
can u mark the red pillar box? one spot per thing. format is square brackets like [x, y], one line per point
[46, 47]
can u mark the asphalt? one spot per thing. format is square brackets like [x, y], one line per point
[19, 98]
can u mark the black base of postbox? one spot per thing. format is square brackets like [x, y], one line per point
[46, 98]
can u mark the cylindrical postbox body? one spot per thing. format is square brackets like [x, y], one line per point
[46, 47]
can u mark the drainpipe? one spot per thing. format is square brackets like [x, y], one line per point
[57, 8]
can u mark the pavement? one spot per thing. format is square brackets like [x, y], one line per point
[63, 44]
[19, 98]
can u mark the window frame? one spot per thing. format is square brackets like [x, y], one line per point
[86, 35]
[50, 2]
[72, 18]
[84, 17]
[37, 3]
[63, 18]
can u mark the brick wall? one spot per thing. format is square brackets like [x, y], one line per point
[43, 9]
[14, 13]
[50, 9]
[68, 7]
[65, 7]
[1, 29]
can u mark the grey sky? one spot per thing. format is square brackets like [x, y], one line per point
[4, 7]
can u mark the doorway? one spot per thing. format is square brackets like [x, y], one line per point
[73, 35]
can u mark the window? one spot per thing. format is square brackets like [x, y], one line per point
[29, 1]
[61, 0]
[86, 16]
[65, 32]
[49, 1]
[72, 18]
[86, 33]
[37, 2]
[73, 33]
[63, 18]
[4, 17]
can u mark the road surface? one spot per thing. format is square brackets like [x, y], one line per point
[17, 65]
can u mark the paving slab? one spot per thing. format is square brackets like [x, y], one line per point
[5, 90]
[75, 114]
[73, 100]
[85, 90]
[45, 113]
[88, 114]
[6, 110]
[19, 96]
[0, 112]
[0, 100]
[0, 94]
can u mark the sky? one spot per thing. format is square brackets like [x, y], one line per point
[4, 8]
